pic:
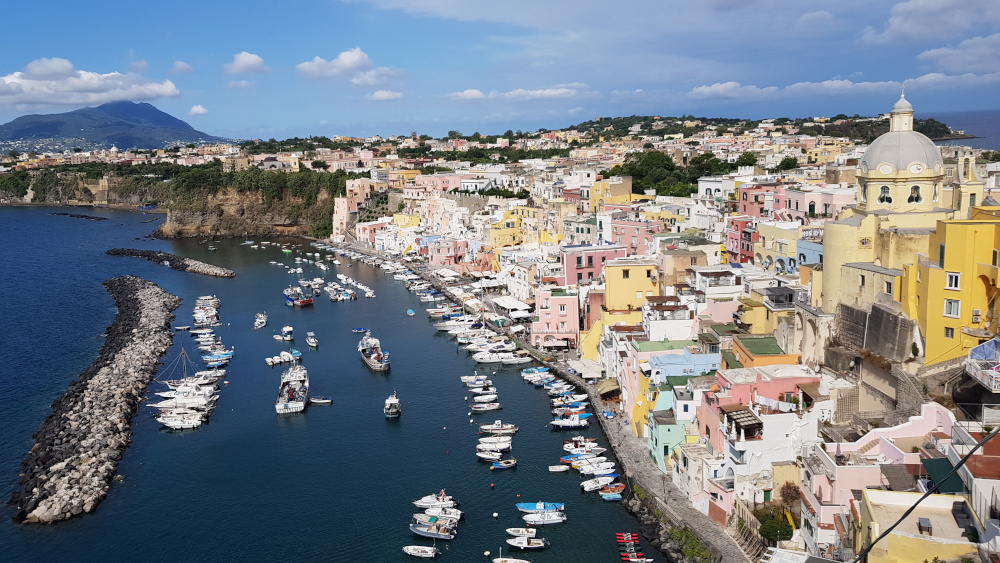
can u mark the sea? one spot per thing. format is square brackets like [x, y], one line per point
[984, 124]
[335, 483]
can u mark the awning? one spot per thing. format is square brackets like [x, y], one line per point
[554, 343]
[645, 367]
[517, 328]
[519, 314]
[509, 303]
[937, 468]
[607, 386]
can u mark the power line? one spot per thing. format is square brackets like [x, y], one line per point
[929, 492]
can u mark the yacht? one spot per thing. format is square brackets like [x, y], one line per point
[293, 393]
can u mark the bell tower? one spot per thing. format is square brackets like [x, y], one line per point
[969, 189]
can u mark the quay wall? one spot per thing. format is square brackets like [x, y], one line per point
[175, 262]
[77, 449]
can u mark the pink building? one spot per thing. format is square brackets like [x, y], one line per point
[809, 205]
[366, 231]
[558, 314]
[442, 182]
[756, 200]
[447, 252]
[636, 235]
[741, 234]
[584, 263]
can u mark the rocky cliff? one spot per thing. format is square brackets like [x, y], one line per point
[233, 213]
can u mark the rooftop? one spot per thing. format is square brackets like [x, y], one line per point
[760, 345]
[662, 345]
[889, 506]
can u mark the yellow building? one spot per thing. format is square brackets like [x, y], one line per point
[777, 245]
[932, 531]
[764, 307]
[951, 290]
[617, 189]
[404, 220]
[899, 191]
[628, 282]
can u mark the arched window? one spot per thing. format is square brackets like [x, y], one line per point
[935, 196]
[915, 196]
[884, 196]
[864, 193]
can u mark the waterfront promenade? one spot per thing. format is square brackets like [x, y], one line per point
[633, 456]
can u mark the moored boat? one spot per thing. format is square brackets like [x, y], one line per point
[371, 352]
[596, 483]
[438, 529]
[425, 551]
[504, 464]
[293, 392]
[524, 542]
[392, 408]
[311, 340]
[498, 427]
[525, 532]
[540, 506]
[542, 518]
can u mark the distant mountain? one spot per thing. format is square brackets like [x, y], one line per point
[122, 124]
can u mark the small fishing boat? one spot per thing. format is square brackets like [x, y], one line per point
[496, 440]
[311, 340]
[504, 464]
[596, 484]
[611, 496]
[410, 313]
[427, 552]
[182, 328]
[360, 330]
[558, 468]
[489, 455]
[436, 528]
[321, 400]
[439, 500]
[613, 488]
[485, 407]
[522, 532]
[453, 513]
[524, 542]
[392, 407]
[534, 507]
[487, 398]
[541, 518]
[494, 447]
[497, 427]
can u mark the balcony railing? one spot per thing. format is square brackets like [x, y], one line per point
[553, 331]
[778, 305]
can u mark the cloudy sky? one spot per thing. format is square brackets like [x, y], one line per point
[361, 67]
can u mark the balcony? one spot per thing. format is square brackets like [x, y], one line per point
[778, 305]
[923, 260]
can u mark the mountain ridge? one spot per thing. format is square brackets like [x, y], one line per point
[123, 124]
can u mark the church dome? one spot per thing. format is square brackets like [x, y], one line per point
[901, 147]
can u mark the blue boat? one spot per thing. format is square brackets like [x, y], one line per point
[533, 507]
[612, 496]
[409, 312]
[296, 354]
[503, 464]
[534, 371]
[360, 330]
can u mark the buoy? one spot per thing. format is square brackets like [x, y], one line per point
[466, 398]
[495, 515]
[494, 486]
[486, 553]
[518, 495]
[469, 413]
[471, 421]
[445, 428]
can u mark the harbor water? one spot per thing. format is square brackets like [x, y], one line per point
[335, 483]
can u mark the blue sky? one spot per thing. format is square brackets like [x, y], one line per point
[363, 67]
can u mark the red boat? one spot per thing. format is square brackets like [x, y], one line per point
[302, 301]
[613, 488]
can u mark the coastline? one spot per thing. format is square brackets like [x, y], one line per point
[664, 507]
[77, 449]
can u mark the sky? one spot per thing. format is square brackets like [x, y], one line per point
[363, 67]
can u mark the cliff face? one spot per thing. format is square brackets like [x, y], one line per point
[231, 213]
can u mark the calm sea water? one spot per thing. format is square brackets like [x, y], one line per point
[335, 483]
[984, 124]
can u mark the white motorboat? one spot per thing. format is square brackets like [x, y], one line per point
[260, 321]
[585, 459]
[484, 407]
[311, 340]
[596, 483]
[496, 440]
[483, 390]
[487, 398]
[524, 542]
[595, 468]
[425, 551]
[489, 455]
[558, 468]
[519, 358]
[498, 427]
[594, 449]
[525, 532]
[439, 500]
[372, 354]
[392, 407]
[573, 421]
[189, 390]
[293, 392]
[542, 518]
[492, 357]
[494, 447]
[181, 419]
[452, 513]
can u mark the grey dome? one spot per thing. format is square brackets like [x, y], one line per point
[902, 105]
[901, 149]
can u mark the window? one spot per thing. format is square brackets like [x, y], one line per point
[590, 261]
[996, 257]
[884, 196]
[915, 195]
[579, 261]
[624, 274]
[862, 280]
[638, 295]
[972, 200]
[954, 280]
[649, 273]
[888, 287]
[562, 308]
[952, 308]
[686, 406]
[949, 332]
[941, 255]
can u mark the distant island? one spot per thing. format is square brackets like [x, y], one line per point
[121, 124]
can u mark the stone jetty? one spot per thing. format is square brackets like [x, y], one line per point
[77, 448]
[175, 262]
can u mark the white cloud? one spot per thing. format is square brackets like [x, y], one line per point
[928, 20]
[54, 82]
[49, 69]
[814, 19]
[245, 63]
[979, 54]
[138, 67]
[385, 95]
[537, 94]
[241, 84]
[376, 77]
[346, 63]
[181, 67]
[575, 111]
[470, 94]
[730, 90]
[198, 110]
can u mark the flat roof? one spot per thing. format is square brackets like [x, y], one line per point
[661, 345]
[943, 525]
[760, 345]
[871, 267]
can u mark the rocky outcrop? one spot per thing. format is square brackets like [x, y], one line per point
[77, 449]
[175, 262]
[233, 213]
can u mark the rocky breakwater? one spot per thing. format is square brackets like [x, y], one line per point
[77, 448]
[175, 262]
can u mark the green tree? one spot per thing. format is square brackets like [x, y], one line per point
[320, 164]
[991, 156]
[788, 163]
[13, 153]
[747, 159]
[454, 134]
[776, 530]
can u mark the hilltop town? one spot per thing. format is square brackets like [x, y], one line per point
[801, 327]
